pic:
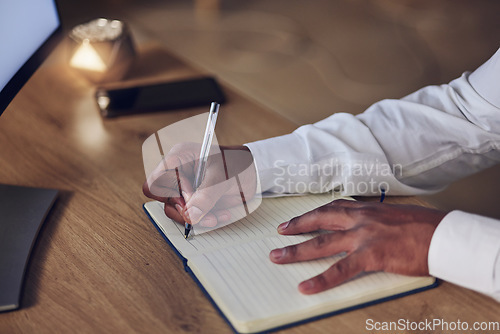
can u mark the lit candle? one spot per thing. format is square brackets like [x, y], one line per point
[102, 50]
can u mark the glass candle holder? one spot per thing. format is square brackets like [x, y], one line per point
[102, 50]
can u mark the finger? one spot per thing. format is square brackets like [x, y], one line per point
[173, 213]
[172, 184]
[208, 220]
[321, 246]
[223, 216]
[203, 201]
[335, 216]
[215, 218]
[164, 184]
[337, 274]
[146, 191]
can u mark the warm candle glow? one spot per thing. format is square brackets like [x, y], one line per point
[101, 50]
[87, 58]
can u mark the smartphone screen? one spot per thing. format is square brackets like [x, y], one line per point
[159, 97]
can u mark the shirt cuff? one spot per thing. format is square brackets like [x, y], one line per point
[273, 156]
[465, 250]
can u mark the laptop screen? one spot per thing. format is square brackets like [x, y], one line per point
[25, 30]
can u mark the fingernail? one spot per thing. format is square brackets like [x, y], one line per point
[278, 253]
[306, 285]
[178, 208]
[185, 195]
[194, 214]
[283, 226]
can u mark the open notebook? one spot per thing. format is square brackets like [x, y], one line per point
[232, 264]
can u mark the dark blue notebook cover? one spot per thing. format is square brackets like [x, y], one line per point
[193, 276]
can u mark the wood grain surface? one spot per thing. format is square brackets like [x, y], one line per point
[99, 265]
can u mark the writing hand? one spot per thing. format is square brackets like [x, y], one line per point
[374, 236]
[171, 183]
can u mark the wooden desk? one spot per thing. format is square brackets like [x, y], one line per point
[99, 265]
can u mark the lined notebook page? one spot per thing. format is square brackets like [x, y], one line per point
[256, 294]
[232, 263]
[261, 223]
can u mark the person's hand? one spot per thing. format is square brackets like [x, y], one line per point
[229, 174]
[374, 236]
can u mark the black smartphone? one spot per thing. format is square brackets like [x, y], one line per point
[159, 97]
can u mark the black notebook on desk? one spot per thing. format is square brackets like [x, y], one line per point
[232, 266]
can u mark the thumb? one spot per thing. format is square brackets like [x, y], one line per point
[203, 200]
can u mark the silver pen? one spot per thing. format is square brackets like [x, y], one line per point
[205, 150]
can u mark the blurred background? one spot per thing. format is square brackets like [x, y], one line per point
[308, 59]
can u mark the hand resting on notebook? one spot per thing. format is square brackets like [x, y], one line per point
[229, 180]
[374, 236]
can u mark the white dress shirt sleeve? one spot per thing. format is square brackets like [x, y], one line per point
[414, 145]
[417, 144]
[465, 250]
